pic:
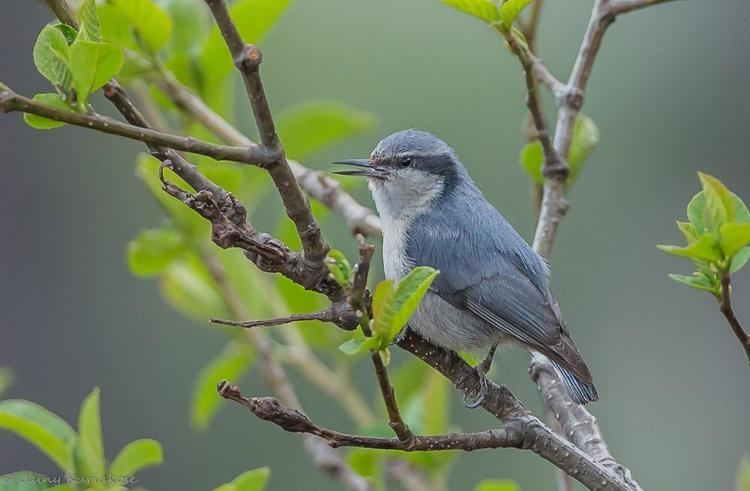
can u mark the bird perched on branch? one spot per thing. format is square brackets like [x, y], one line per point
[492, 287]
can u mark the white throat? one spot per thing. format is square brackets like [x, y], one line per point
[399, 201]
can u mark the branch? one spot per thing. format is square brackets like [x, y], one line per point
[725, 305]
[339, 314]
[358, 218]
[523, 432]
[255, 154]
[247, 58]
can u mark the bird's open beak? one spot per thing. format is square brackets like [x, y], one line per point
[366, 169]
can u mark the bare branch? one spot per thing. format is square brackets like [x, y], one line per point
[255, 154]
[340, 314]
[725, 305]
[247, 58]
[358, 218]
[523, 432]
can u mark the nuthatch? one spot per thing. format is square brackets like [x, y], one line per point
[492, 287]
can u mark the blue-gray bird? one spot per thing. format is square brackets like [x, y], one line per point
[492, 287]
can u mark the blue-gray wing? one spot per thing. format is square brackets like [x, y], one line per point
[486, 268]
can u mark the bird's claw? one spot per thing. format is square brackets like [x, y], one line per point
[482, 390]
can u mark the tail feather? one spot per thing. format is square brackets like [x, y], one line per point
[579, 391]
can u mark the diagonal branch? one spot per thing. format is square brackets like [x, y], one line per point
[253, 154]
[358, 218]
[725, 306]
[247, 58]
[338, 313]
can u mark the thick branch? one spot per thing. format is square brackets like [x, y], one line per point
[523, 432]
[725, 305]
[255, 154]
[247, 58]
[358, 218]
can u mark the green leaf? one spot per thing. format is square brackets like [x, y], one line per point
[739, 259]
[93, 65]
[254, 480]
[704, 249]
[153, 250]
[368, 463]
[742, 482]
[90, 29]
[497, 485]
[409, 293]
[191, 22]
[312, 126]
[382, 310]
[150, 22]
[485, 10]
[532, 160]
[69, 33]
[719, 205]
[734, 236]
[688, 230]
[136, 456]
[52, 58]
[25, 481]
[584, 140]
[6, 378]
[253, 18]
[90, 447]
[741, 213]
[698, 280]
[51, 99]
[339, 266]
[189, 288]
[510, 10]
[231, 364]
[40, 427]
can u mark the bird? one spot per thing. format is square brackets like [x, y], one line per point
[492, 287]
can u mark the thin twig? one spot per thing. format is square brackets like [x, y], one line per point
[255, 154]
[247, 59]
[725, 306]
[358, 218]
[337, 313]
[356, 300]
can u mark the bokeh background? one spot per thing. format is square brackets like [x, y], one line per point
[669, 94]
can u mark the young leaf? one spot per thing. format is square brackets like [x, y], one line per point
[512, 9]
[360, 344]
[40, 427]
[719, 205]
[383, 310]
[742, 482]
[254, 480]
[584, 140]
[704, 249]
[734, 236]
[189, 288]
[688, 230]
[739, 259]
[92, 65]
[52, 58]
[191, 21]
[136, 456]
[741, 213]
[339, 266]
[90, 447]
[90, 29]
[153, 250]
[698, 280]
[532, 160]
[231, 364]
[485, 10]
[497, 485]
[312, 126]
[69, 33]
[51, 99]
[151, 23]
[409, 293]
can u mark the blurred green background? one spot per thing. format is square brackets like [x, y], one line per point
[669, 94]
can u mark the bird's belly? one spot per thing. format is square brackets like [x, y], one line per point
[452, 328]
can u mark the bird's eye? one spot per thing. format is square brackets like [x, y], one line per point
[405, 162]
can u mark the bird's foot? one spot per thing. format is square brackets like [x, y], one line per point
[482, 370]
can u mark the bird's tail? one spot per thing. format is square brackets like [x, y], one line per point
[578, 390]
